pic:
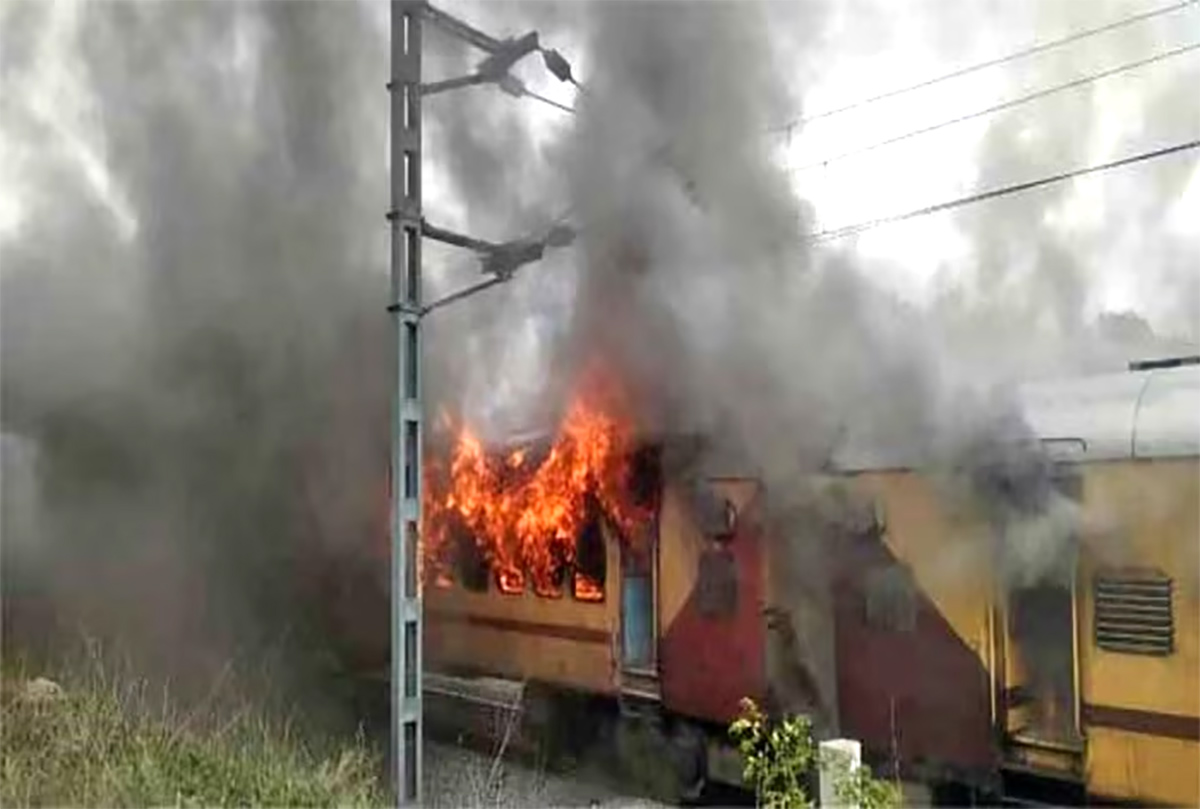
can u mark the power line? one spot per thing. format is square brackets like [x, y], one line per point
[1025, 99]
[828, 235]
[1037, 48]
[981, 196]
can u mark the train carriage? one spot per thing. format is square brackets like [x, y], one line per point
[1085, 683]
[673, 634]
[904, 631]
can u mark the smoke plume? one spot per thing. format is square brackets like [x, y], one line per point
[193, 329]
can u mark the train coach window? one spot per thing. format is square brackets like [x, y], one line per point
[645, 473]
[1133, 613]
[889, 602]
[471, 568]
[552, 586]
[591, 563]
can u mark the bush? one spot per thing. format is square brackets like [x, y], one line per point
[90, 746]
[778, 758]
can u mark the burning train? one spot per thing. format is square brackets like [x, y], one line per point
[580, 570]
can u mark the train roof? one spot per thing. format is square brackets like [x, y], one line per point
[1151, 411]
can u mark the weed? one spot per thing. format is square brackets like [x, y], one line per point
[101, 742]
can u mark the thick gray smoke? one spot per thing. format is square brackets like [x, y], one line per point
[697, 280]
[203, 371]
[195, 344]
[193, 334]
[1021, 305]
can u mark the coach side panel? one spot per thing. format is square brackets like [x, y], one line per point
[1140, 673]
[711, 649]
[912, 602]
[525, 636]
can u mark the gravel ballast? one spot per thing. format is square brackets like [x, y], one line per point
[464, 779]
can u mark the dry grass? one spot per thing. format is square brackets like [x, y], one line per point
[108, 743]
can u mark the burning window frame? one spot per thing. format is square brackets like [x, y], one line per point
[534, 508]
[591, 551]
[469, 564]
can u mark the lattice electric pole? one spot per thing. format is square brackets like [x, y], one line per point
[405, 218]
[500, 262]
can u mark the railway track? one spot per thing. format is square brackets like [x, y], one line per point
[509, 723]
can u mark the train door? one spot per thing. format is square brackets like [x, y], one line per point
[1040, 718]
[1041, 696]
[1041, 701]
[639, 587]
[639, 621]
[637, 609]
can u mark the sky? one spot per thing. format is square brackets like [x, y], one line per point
[868, 48]
[941, 165]
[863, 48]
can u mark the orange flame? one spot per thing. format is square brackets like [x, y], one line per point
[588, 589]
[525, 517]
[511, 581]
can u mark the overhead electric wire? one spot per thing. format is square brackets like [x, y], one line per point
[1013, 102]
[1034, 49]
[1016, 188]
[850, 230]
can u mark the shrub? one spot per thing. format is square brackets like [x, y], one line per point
[94, 746]
[779, 756]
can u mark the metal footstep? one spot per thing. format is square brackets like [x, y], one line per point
[494, 692]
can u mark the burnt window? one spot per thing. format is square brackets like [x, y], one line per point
[552, 586]
[1133, 613]
[591, 562]
[889, 600]
[717, 582]
[471, 565]
[645, 472]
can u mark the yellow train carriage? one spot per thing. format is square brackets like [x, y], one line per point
[1092, 681]
[1138, 598]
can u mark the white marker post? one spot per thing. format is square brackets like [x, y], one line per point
[838, 757]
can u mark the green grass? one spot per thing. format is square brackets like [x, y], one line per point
[102, 744]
